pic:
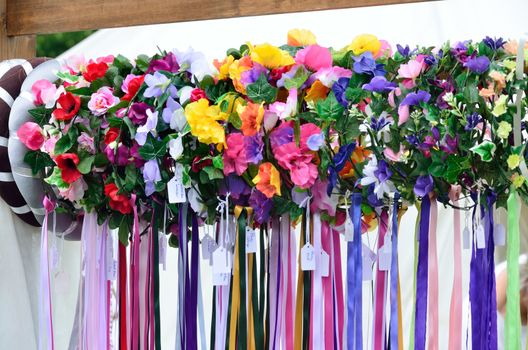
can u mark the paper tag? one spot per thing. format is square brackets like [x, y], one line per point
[481, 238]
[221, 261]
[307, 258]
[499, 234]
[111, 257]
[208, 247]
[368, 261]
[251, 240]
[162, 244]
[465, 238]
[349, 230]
[220, 279]
[384, 258]
[176, 190]
[324, 262]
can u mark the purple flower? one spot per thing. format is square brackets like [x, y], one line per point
[366, 64]
[447, 86]
[339, 161]
[151, 175]
[261, 205]
[379, 84]
[378, 124]
[122, 155]
[450, 144]
[157, 85]
[428, 143]
[413, 140]
[167, 63]
[281, 135]
[250, 76]
[424, 185]
[477, 64]
[494, 44]
[138, 112]
[149, 127]
[415, 98]
[436, 133]
[460, 51]
[383, 173]
[339, 89]
[472, 121]
[372, 197]
[430, 60]
[404, 51]
[238, 189]
[315, 141]
[254, 146]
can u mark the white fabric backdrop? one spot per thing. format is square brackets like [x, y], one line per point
[423, 24]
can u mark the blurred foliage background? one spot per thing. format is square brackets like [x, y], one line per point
[52, 45]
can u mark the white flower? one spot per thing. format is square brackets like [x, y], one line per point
[370, 177]
[176, 148]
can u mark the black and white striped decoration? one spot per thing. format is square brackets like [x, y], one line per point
[12, 76]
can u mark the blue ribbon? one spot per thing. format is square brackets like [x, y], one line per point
[355, 279]
[421, 277]
[394, 277]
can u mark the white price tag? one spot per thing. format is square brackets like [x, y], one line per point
[162, 245]
[208, 247]
[251, 240]
[176, 190]
[220, 279]
[465, 238]
[324, 261]
[384, 258]
[307, 258]
[349, 230]
[221, 261]
[481, 237]
[499, 234]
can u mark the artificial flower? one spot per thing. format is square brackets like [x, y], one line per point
[328, 76]
[268, 180]
[513, 161]
[45, 93]
[68, 105]
[504, 129]
[270, 56]
[67, 163]
[301, 37]
[285, 110]
[379, 84]
[151, 175]
[377, 174]
[223, 67]
[478, 64]
[303, 172]
[137, 112]
[518, 180]
[148, 128]
[251, 115]
[102, 100]
[117, 154]
[31, 135]
[174, 115]
[321, 201]
[500, 106]
[410, 71]
[131, 85]
[424, 184]
[363, 43]
[261, 205]
[339, 89]
[176, 148]
[193, 62]
[86, 142]
[316, 92]
[95, 70]
[314, 57]
[197, 94]
[167, 63]
[157, 84]
[75, 190]
[117, 201]
[203, 120]
[235, 154]
[254, 146]
[366, 64]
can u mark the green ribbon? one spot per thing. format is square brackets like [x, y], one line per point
[513, 315]
[242, 321]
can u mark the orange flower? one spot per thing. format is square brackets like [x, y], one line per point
[359, 155]
[301, 37]
[316, 92]
[251, 115]
[268, 180]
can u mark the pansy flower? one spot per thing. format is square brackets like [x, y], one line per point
[268, 180]
[251, 115]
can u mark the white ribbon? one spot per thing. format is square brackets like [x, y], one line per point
[317, 285]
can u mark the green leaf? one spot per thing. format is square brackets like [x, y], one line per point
[262, 91]
[485, 150]
[131, 177]
[235, 120]
[218, 162]
[100, 160]
[55, 179]
[114, 122]
[131, 127]
[38, 161]
[41, 115]
[64, 144]
[213, 173]
[142, 62]
[300, 76]
[122, 63]
[152, 149]
[455, 166]
[436, 169]
[85, 165]
[329, 108]
[67, 77]
[83, 91]
[355, 95]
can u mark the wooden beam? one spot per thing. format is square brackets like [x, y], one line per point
[14, 47]
[50, 16]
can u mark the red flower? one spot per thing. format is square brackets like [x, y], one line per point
[95, 71]
[118, 202]
[67, 106]
[67, 163]
[133, 87]
[111, 135]
[197, 94]
[198, 163]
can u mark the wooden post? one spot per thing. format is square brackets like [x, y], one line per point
[14, 46]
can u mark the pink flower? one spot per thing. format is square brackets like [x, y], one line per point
[395, 157]
[102, 100]
[49, 145]
[403, 114]
[314, 57]
[303, 172]
[288, 109]
[86, 142]
[76, 190]
[307, 130]
[30, 134]
[75, 63]
[394, 92]
[328, 76]
[45, 93]
[410, 71]
[320, 199]
[235, 155]
[385, 49]
[270, 120]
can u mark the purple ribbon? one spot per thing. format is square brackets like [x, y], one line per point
[191, 303]
[394, 277]
[355, 279]
[420, 322]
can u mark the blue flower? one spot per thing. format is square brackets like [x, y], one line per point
[366, 64]
[472, 121]
[415, 98]
[404, 51]
[379, 84]
[424, 185]
[339, 89]
[478, 64]
[339, 161]
[494, 44]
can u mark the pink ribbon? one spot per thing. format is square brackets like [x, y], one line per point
[380, 297]
[327, 289]
[290, 292]
[134, 278]
[433, 280]
[44, 307]
[274, 282]
[337, 277]
[316, 314]
[455, 313]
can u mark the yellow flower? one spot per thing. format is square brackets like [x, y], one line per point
[270, 56]
[513, 161]
[301, 37]
[365, 42]
[517, 180]
[251, 115]
[203, 120]
[504, 129]
[500, 106]
[268, 180]
[316, 92]
[224, 67]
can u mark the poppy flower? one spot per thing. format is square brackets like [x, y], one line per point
[111, 135]
[132, 86]
[67, 106]
[67, 163]
[95, 71]
[118, 202]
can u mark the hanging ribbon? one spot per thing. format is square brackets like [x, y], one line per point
[433, 280]
[328, 304]
[299, 300]
[134, 278]
[491, 302]
[415, 273]
[337, 277]
[421, 277]
[355, 280]
[380, 296]
[455, 313]
[155, 282]
[394, 322]
[274, 267]
[317, 291]
[123, 297]
[513, 317]
[289, 318]
[45, 340]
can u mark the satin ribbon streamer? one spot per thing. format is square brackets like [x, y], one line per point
[513, 317]
[421, 277]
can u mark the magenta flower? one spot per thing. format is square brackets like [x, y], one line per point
[235, 154]
[122, 155]
[314, 57]
[138, 112]
[303, 172]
